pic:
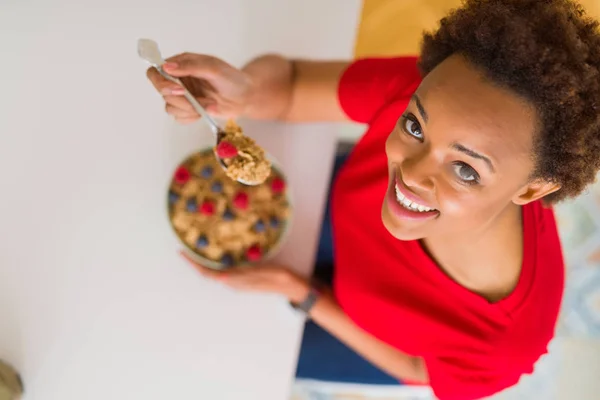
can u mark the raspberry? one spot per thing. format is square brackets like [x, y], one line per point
[278, 185]
[182, 175]
[207, 208]
[241, 200]
[226, 150]
[254, 253]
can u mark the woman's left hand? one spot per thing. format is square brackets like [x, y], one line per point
[268, 278]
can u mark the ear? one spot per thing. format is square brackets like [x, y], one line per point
[535, 190]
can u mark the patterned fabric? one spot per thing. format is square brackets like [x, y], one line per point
[579, 223]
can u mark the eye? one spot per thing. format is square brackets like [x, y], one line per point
[466, 173]
[411, 126]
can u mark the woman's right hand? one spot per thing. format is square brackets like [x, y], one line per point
[223, 90]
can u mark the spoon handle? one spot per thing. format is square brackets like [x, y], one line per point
[199, 109]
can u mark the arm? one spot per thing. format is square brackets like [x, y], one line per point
[328, 314]
[268, 88]
[295, 91]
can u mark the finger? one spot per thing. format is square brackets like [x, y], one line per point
[182, 103]
[189, 64]
[186, 121]
[162, 85]
[253, 285]
[179, 113]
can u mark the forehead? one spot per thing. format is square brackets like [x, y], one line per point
[469, 109]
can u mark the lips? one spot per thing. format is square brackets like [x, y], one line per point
[411, 205]
[404, 204]
[410, 200]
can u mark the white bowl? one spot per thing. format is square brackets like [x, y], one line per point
[274, 248]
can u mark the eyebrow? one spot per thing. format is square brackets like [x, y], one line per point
[474, 154]
[420, 107]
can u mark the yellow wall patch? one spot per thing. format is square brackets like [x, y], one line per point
[394, 27]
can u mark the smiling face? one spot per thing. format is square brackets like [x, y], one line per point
[460, 155]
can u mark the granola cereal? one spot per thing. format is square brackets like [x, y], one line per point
[222, 220]
[245, 160]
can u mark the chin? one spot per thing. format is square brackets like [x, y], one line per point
[399, 230]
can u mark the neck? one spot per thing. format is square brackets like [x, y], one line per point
[486, 261]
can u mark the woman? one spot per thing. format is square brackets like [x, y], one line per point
[457, 279]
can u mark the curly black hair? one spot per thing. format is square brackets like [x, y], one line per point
[547, 51]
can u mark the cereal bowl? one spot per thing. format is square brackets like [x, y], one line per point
[224, 223]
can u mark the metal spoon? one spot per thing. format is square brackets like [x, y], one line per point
[148, 50]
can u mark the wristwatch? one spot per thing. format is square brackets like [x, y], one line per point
[308, 303]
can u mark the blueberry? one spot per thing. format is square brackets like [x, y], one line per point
[217, 187]
[191, 205]
[206, 172]
[202, 242]
[173, 197]
[259, 226]
[227, 260]
[274, 222]
[228, 215]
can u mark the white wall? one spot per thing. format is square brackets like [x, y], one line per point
[83, 139]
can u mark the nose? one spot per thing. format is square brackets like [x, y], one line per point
[418, 171]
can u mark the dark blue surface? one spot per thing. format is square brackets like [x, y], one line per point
[322, 356]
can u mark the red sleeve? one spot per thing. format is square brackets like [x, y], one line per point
[467, 378]
[369, 84]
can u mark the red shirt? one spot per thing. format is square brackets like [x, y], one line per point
[394, 291]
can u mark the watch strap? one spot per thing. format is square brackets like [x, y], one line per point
[308, 303]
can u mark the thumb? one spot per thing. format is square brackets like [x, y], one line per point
[195, 65]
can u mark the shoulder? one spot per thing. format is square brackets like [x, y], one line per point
[369, 84]
[541, 233]
[534, 318]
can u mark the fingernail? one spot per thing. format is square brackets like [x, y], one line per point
[173, 91]
[169, 65]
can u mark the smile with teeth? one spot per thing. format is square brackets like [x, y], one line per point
[411, 205]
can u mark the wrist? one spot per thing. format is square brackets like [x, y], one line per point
[271, 85]
[298, 290]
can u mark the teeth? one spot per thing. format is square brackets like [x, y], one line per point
[409, 204]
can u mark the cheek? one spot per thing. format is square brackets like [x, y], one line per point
[393, 147]
[471, 207]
